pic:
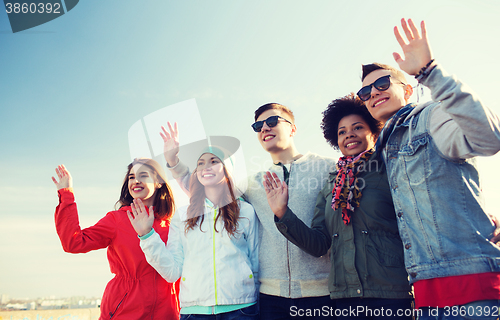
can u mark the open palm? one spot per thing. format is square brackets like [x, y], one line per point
[277, 193]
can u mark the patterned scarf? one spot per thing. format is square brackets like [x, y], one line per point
[389, 126]
[346, 194]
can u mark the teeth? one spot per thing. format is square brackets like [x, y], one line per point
[351, 144]
[209, 175]
[379, 102]
[268, 137]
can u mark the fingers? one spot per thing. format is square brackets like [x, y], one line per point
[272, 181]
[173, 130]
[138, 202]
[406, 30]
[424, 30]
[55, 181]
[414, 29]
[165, 135]
[61, 171]
[410, 29]
[138, 208]
[397, 57]
[399, 38]
[130, 216]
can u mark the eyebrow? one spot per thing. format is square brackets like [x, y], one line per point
[131, 173]
[343, 127]
[212, 158]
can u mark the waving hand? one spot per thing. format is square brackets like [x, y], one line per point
[417, 52]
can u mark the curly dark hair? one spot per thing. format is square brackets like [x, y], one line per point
[340, 108]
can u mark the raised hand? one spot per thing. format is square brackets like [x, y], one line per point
[65, 180]
[417, 52]
[170, 144]
[277, 193]
[140, 219]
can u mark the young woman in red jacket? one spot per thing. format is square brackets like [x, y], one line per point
[137, 291]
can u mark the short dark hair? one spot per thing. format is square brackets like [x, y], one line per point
[369, 68]
[276, 106]
[340, 108]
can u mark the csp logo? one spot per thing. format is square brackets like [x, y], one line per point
[26, 14]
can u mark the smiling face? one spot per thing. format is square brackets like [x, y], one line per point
[279, 137]
[210, 170]
[142, 183]
[382, 105]
[354, 135]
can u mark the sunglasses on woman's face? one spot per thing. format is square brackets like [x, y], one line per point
[272, 121]
[381, 84]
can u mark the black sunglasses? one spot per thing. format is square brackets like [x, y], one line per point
[381, 84]
[272, 121]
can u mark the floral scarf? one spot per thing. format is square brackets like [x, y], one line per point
[346, 194]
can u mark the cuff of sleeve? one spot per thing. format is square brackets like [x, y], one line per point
[435, 73]
[179, 170]
[66, 195]
[285, 221]
[147, 235]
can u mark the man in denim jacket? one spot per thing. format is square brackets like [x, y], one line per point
[429, 152]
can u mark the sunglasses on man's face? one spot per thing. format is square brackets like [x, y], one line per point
[381, 84]
[272, 121]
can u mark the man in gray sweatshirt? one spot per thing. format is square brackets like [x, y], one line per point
[292, 283]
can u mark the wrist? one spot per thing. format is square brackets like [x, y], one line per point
[280, 212]
[425, 71]
[146, 235]
[172, 162]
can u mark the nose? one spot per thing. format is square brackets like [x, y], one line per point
[265, 127]
[374, 91]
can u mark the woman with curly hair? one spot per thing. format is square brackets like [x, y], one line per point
[354, 219]
[212, 247]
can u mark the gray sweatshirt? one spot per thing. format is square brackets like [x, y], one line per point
[284, 269]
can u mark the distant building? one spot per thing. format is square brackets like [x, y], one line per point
[4, 299]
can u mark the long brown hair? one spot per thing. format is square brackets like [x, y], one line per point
[163, 201]
[229, 213]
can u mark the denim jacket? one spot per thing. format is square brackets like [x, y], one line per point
[435, 182]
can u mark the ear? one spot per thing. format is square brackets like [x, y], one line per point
[294, 130]
[408, 92]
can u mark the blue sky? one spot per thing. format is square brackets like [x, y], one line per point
[71, 89]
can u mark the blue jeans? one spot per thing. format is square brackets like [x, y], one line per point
[248, 313]
[277, 308]
[484, 310]
[374, 308]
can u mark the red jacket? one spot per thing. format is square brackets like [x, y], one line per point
[137, 291]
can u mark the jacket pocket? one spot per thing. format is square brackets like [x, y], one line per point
[414, 157]
[113, 312]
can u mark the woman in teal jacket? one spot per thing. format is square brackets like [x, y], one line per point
[354, 218]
